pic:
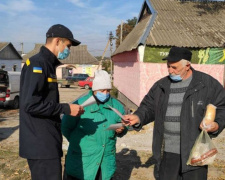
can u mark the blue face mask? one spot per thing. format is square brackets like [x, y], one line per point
[64, 54]
[176, 78]
[102, 96]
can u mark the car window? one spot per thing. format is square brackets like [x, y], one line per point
[3, 77]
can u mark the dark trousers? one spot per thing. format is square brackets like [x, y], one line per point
[170, 169]
[68, 177]
[45, 169]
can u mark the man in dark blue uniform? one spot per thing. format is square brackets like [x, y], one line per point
[40, 140]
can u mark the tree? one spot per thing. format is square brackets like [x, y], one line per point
[127, 28]
[106, 65]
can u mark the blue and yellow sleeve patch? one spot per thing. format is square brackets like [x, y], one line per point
[37, 70]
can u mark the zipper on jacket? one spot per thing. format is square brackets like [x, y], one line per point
[192, 109]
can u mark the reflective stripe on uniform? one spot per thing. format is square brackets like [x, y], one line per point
[52, 80]
[28, 62]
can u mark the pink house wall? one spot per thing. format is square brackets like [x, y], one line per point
[152, 72]
[127, 79]
[127, 74]
[134, 78]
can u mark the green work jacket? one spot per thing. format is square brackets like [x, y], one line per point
[91, 145]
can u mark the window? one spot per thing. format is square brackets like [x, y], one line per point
[3, 67]
[14, 67]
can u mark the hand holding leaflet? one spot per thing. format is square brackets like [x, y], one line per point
[117, 112]
[91, 100]
[117, 125]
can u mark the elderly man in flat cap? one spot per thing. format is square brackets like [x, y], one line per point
[176, 104]
[40, 140]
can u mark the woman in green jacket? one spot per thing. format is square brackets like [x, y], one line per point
[92, 148]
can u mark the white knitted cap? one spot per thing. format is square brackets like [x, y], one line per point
[101, 80]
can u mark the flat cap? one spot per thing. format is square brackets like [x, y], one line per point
[178, 53]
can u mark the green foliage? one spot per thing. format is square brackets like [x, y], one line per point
[106, 66]
[114, 92]
[132, 22]
[127, 28]
[100, 58]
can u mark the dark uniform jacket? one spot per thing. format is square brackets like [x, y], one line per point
[40, 135]
[202, 90]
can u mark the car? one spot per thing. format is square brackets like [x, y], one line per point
[87, 83]
[77, 77]
[64, 83]
[9, 88]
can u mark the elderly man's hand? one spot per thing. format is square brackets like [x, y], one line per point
[211, 127]
[130, 120]
[76, 110]
[119, 130]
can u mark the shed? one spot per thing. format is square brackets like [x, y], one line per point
[10, 59]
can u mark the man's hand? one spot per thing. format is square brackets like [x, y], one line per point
[130, 120]
[211, 127]
[119, 130]
[76, 110]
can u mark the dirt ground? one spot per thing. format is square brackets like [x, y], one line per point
[133, 150]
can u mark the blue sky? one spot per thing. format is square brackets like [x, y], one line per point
[90, 21]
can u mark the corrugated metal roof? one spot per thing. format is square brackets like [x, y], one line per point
[78, 55]
[178, 23]
[186, 24]
[134, 37]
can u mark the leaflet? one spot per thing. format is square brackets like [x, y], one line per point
[91, 100]
[116, 111]
[115, 126]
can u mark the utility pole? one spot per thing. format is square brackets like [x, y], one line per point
[103, 55]
[111, 45]
[21, 47]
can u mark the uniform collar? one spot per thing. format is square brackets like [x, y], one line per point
[50, 56]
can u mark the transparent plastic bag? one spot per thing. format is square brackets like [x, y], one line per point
[203, 152]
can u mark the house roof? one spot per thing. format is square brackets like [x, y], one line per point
[178, 23]
[78, 55]
[32, 52]
[134, 37]
[5, 44]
